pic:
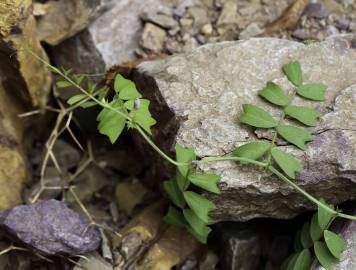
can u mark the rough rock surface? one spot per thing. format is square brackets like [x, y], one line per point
[51, 227]
[107, 41]
[201, 101]
[63, 19]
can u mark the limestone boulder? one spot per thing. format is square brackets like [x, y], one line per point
[197, 97]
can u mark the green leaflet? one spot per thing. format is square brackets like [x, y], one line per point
[305, 115]
[145, 120]
[197, 227]
[110, 122]
[305, 238]
[324, 217]
[315, 231]
[200, 205]
[293, 71]
[313, 91]
[76, 99]
[289, 164]
[297, 241]
[253, 150]
[257, 117]
[303, 261]
[294, 135]
[174, 193]
[184, 155]
[292, 261]
[63, 84]
[326, 259]
[274, 94]
[335, 243]
[88, 104]
[174, 217]
[126, 88]
[206, 181]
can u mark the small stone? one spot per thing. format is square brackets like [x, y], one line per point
[163, 20]
[200, 17]
[153, 38]
[251, 30]
[190, 44]
[316, 10]
[186, 22]
[207, 29]
[300, 34]
[201, 39]
[51, 227]
[352, 26]
[332, 30]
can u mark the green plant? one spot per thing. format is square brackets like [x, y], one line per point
[191, 210]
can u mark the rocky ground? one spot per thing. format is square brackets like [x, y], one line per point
[71, 200]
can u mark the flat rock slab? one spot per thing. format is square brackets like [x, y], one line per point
[197, 99]
[51, 227]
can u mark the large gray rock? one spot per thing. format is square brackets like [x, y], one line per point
[109, 40]
[197, 99]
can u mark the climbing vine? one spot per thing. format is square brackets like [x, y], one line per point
[126, 108]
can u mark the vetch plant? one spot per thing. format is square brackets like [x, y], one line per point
[189, 209]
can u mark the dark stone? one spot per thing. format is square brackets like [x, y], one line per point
[316, 10]
[300, 34]
[241, 249]
[51, 227]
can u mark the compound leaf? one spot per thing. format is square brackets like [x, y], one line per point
[305, 115]
[289, 164]
[303, 261]
[293, 71]
[200, 205]
[197, 227]
[315, 231]
[206, 181]
[324, 217]
[274, 94]
[305, 238]
[294, 135]
[88, 104]
[335, 243]
[175, 217]
[313, 91]
[253, 150]
[174, 193]
[325, 258]
[257, 117]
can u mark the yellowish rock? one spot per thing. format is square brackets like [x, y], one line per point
[174, 246]
[129, 195]
[18, 30]
[13, 173]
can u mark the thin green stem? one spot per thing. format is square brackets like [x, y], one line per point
[226, 158]
[300, 190]
[157, 149]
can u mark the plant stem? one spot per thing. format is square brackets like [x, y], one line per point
[157, 149]
[300, 190]
[213, 159]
